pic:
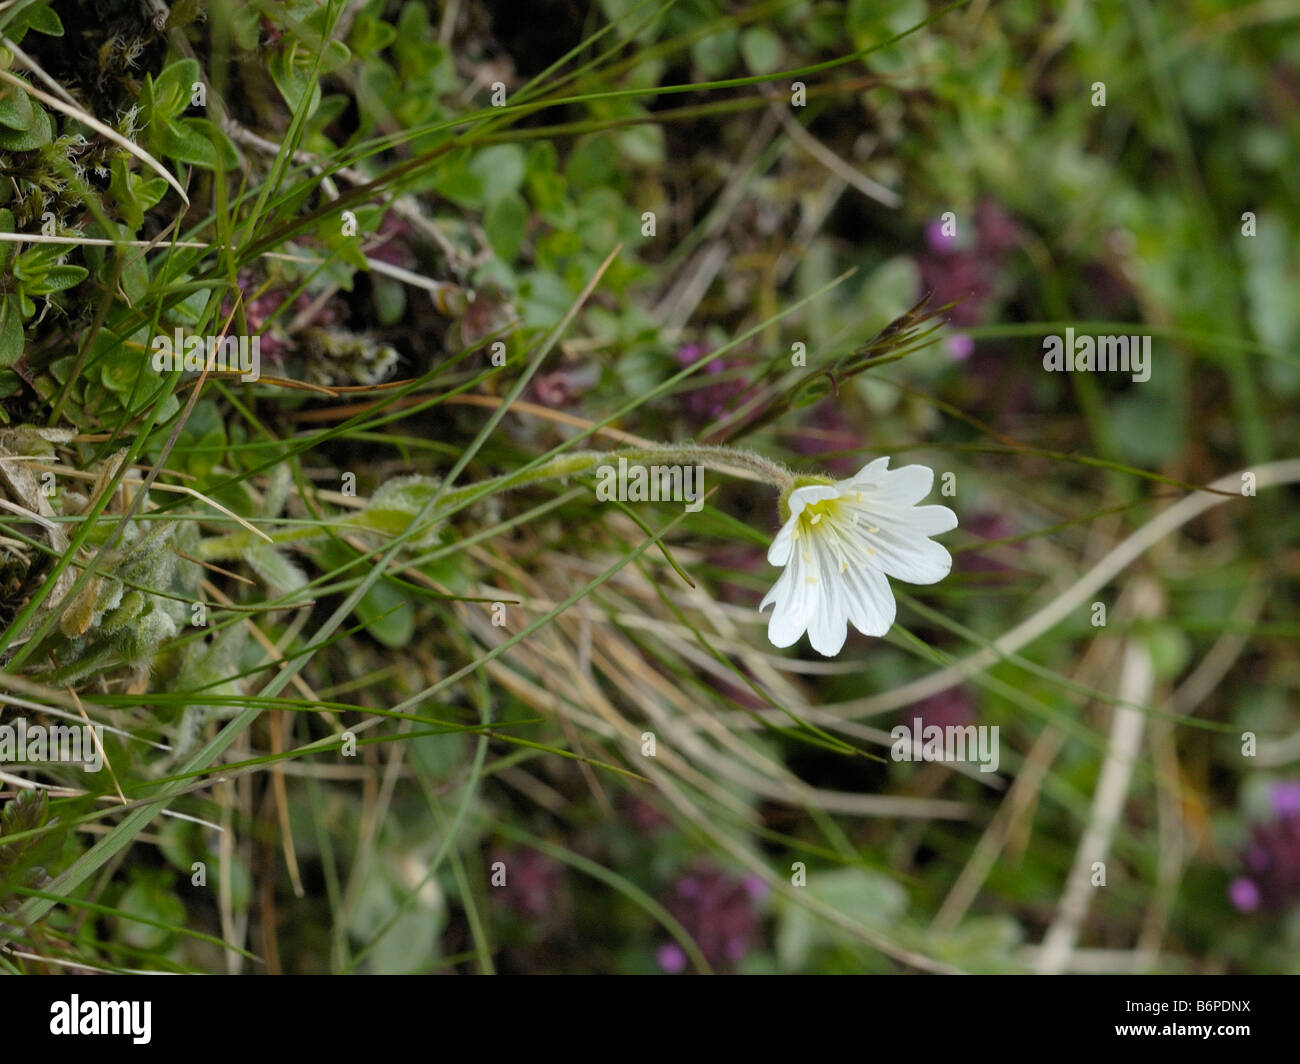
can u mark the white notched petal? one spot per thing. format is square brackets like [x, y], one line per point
[828, 619]
[836, 563]
[872, 602]
[925, 520]
[899, 487]
[869, 475]
[917, 561]
[779, 552]
[786, 624]
[811, 493]
[806, 496]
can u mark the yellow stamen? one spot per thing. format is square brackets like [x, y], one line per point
[814, 512]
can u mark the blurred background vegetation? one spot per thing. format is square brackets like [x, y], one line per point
[651, 205]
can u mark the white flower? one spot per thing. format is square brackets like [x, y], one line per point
[840, 543]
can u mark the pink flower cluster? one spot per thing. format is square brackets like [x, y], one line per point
[1272, 859]
[719, 912]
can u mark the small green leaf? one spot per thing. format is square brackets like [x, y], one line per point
[506, 222]
[59, 278]
[205, 431]
[500, 168]
[593, 162]
[387, 615]
[280, 574]
[336, 55]
[44, 20]
[599, 213]
[40, 133]
[11, 331]
[294, 81]
[198, 142]
[153, 902]
[7, 250]
[715, 54]
[643, 145]
[457, 184]
[369, 35]
[172, 89]
[396, 503]
[390, 300]
[761, 49]
[862, 894]
[16, 111]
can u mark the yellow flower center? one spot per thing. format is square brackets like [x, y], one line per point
[815, 513]
[840, 528]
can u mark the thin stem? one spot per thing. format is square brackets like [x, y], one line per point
[727, 460]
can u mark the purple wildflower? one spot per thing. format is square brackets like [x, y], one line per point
[1272, 859]
[671, 958]
[960, 347]
[826, 428]
[988, 563]
[1286, 798]
[703, 401]
[533, 883]
[1244, 894]
[719, 913]
[948, 709]
[937, 239]
[395, 250]
[966, 275]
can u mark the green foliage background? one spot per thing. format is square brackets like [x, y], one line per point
[345, 185]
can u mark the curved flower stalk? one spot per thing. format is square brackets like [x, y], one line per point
[396, 504]
[839, 543]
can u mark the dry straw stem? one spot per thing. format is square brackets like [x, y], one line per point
[179, 489]
[1011, 819]
[873, 190]
[669, 773]
[1136, 684]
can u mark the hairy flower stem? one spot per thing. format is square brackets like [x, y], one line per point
[729, 461]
